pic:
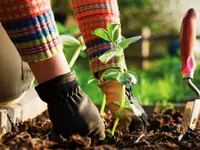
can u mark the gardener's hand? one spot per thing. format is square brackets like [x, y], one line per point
[70, 109]
[132, 119]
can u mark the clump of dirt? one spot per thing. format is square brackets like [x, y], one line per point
[163, 133]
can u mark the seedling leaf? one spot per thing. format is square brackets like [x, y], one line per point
[108, 55]
[131, 76]
[74, 57]
[80, 39]
[121, 78]
[110, 74]
[82, 43]
[91, 79]
[111, 28]
[69, 41]
[102, 33]
[109, 131]
[126, 42]
[114, 31]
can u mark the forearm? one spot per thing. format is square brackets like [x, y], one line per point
[91, 15]
[31, 27]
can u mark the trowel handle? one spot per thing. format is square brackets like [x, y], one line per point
[187, 41]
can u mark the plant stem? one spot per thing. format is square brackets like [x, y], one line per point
[114, 126]
[123, 86]
[103, 106]
[122, 99]
[121, 64]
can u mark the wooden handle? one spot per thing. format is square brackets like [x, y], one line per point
[187, 39]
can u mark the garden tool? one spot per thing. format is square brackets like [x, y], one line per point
[187, 39]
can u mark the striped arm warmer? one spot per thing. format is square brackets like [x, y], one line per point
[31, 26]
[93, 14]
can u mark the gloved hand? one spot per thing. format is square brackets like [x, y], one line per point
[130, 120]
[70, 109]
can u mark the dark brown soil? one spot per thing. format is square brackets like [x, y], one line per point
[162, 133]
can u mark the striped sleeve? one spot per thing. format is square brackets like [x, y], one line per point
[93, 14]
[31, 26]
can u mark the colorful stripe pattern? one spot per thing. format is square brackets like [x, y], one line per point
[93, 14]
[31, 26]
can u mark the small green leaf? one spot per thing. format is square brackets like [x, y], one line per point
[82, 43]
[109, 132]
[122, 79]
[114, 31]
[102, 33]
[91, 79]
[80, 39]
[131, 76]
[110, 74]
[83, 47]
[111, 27]
[69, 41]
[117, 35]
[126, 42]
[74, 57]
[108, 55]
[127, 77]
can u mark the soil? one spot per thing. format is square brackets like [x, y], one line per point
[162, 133]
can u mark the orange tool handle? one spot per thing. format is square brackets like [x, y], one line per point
[187, 41]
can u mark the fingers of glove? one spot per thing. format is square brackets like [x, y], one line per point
[97, 127]
[102, 134]
[98, 133]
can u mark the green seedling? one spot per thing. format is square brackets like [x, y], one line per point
[113, 35]
[103, 104]
[77, 45]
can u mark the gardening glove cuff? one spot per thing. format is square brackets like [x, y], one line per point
[133, 119]
[70, 109]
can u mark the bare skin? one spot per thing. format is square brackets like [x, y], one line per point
[50, 68]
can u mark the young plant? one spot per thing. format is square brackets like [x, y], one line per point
[76, 44]
[113, 35]
[103, 103]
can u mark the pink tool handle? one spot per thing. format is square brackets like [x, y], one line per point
[187, 38]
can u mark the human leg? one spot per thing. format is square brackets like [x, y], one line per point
[16, 76]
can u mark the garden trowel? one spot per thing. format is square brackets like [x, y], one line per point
[187, 39]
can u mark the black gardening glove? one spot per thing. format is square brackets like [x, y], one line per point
[70, 109]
